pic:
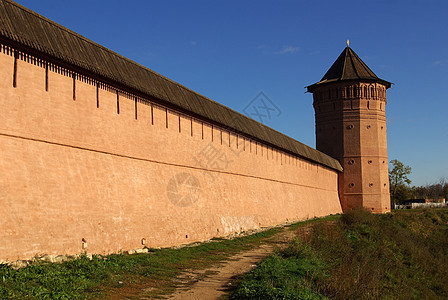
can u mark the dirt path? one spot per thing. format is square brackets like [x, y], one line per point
[214, 282]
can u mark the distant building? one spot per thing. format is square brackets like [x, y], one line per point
[423, 200]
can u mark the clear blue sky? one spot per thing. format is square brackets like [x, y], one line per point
[231, 50]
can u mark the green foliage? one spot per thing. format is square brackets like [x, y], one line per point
[284, 275]
[83, 278]
[42, 280]
[402, 255]
[401, 191]
[398, 180]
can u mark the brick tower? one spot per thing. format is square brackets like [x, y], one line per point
[350, 109]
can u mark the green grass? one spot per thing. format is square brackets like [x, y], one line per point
[297, 225]
[84, 278]
[402, 255]
[357, 255]
[288, 274]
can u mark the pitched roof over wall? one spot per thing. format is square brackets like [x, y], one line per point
[25, 27]
[348, 66]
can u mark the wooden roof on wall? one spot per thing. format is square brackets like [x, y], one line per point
[25, 27]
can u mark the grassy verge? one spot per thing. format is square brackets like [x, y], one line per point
[402, 255]
[85, 278]
[314, 221]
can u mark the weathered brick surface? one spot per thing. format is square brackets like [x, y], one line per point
[71, 170]
[352, 128]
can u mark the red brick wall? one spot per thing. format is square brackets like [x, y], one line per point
[73, 171]
[351, 126]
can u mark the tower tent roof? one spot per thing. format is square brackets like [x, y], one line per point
[348, 66]
[24, 29]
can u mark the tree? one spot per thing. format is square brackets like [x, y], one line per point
[398, 180]
[444, 184]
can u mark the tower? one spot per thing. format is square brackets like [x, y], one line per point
[350, 111]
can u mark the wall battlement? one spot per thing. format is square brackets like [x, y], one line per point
[80, 87]
[84, 160]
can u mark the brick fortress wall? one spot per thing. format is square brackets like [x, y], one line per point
[84, 161]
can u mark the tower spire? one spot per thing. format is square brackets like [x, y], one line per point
[348, 43]
[348, 66]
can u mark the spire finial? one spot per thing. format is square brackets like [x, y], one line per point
[348, 43]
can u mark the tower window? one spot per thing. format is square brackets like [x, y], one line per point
[351, 185]
[350, 126]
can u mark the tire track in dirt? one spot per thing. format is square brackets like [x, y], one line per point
[214, 282]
